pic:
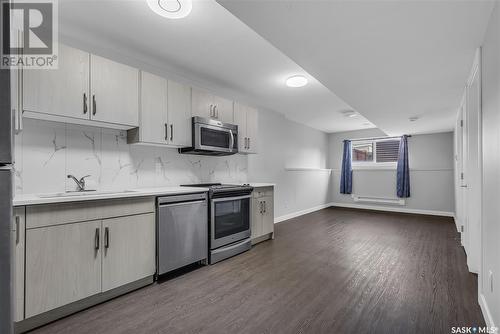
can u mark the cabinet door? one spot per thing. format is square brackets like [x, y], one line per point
[202, 103]
[61, 92]
[153, 117]
[267, 215]
[63, 265]
[18, 238]
[115, 92]
[252, 130]
[128, 250]
[179, 114]
[256, 224]
[223, 109]
[240, 119]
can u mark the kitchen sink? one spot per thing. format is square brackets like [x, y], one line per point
[83, 193]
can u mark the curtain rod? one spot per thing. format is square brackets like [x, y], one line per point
[373, 138]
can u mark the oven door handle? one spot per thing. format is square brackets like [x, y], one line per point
[227, 199]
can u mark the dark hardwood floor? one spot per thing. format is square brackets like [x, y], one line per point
[332, 271]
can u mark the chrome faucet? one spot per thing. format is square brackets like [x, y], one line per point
[80, 183]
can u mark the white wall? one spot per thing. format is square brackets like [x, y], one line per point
[286, 144]
[431, 174]
[490, 300]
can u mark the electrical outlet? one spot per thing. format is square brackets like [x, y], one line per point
[490, 276]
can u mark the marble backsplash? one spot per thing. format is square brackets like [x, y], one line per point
[46, 152]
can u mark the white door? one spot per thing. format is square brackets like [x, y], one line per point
[115, 92]
[223, 109]
[63, 265]
[474, 174]
[153, 117]
[128, 250]
[202, 103]
[252, 130]
[179, 114]
[62, 92]
[240, 119]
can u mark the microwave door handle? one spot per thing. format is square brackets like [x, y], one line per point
[231, 144]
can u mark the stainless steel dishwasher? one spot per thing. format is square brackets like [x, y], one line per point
[182, 231]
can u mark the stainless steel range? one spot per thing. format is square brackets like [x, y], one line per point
[229, 219]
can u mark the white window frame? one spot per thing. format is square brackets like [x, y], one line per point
[360, 165]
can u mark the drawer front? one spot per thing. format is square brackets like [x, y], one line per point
[263, 191]
[64, 213]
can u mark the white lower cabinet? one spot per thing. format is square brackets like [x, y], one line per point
[63, 265]
[128, 250]
[67, 261]
[262, 214]
[18, 238]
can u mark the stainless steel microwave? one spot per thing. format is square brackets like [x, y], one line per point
[212, 137]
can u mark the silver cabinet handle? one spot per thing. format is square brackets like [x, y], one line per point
[211, 110]
[216, 112]
[96, 238]
[261, 206]
[245, 143]
[171, 132]
[248, 143]
[166, 131]
[106, 237]
[94, 105]
[265, 207]
[18, 219]
[85, 103]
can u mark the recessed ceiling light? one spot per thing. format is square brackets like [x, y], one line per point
[296, 81]
[413, 118]
[352, 115]
[171, 9]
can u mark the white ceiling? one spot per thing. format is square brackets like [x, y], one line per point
[211, 47]
[390, 60]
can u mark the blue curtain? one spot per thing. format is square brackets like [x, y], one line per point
[346, 176]
[403, 174]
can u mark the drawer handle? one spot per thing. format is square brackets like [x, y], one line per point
[171, 132]
[166, 132]
[96, 239]
[106, 237]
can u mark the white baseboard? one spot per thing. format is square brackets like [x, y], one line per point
[486, 311]
[300, 213]
[394, 209]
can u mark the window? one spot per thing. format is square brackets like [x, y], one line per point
[375, 152]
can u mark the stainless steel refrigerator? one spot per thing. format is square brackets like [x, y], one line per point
[6, 185]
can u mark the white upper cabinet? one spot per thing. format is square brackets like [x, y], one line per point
[114, 92]
[252, 130]
[223, 109]
[165, 113]
[202, 103]
[205, 104]
[61, 92]
[179, 114]
[247, 120]
[153, 125]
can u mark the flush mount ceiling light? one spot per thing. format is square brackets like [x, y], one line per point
[171, 9]
[296, 81]
[413, 118]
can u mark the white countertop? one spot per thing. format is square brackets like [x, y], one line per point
[261, 185]
[33, 199]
